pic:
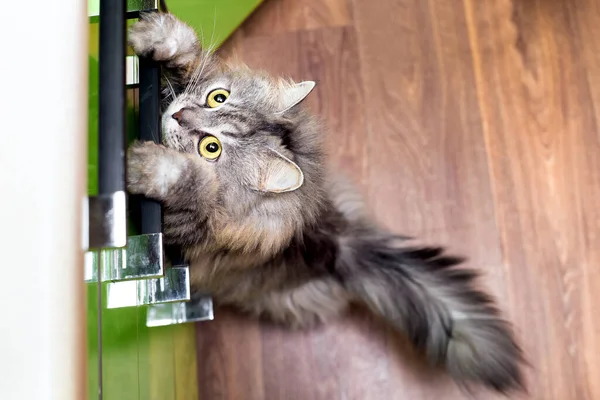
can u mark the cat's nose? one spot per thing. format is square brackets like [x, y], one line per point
[178, 116]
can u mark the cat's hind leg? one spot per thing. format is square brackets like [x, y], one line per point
[304, 306]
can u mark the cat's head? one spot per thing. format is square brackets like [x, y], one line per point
[258, 149]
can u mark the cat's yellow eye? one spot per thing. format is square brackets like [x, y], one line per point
[210, 148]
[216, 98]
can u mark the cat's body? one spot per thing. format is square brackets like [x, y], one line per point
[267, 230]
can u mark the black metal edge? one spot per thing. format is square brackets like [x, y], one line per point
[149, 130]
[112, 97]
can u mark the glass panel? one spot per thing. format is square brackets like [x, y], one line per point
[143, 258]
[174, 286]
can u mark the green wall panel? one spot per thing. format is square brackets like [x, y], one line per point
[139, 362]
[214, 20]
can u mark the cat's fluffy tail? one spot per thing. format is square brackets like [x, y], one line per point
[422, 293]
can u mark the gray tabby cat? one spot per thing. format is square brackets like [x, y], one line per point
[242, 179]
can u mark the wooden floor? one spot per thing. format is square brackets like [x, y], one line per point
[470, 123]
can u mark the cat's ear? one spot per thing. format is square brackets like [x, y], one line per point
[279, 174]
[295, 94]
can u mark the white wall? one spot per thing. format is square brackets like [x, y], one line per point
[43, 134]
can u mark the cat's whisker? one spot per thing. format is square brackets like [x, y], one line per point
[201, 36]
[206, 56]
[197, 78]
[212, 45]
[196, 69]
[187, 87]
[197, 72]
[155, 136]
[167, 96]
[197, 66]
[153, 133]
[170, 87]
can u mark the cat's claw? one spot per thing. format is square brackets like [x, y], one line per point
[162, 37]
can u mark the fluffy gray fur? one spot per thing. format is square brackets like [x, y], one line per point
[297, 255]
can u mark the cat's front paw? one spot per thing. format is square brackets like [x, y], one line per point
[162, 37]
[152, 169]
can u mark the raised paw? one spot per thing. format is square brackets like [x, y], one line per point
[152, 169]
[163, 37]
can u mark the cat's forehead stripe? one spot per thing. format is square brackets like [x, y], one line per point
[233, 135]
[239, 117]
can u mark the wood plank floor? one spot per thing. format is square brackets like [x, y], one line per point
[469, 123]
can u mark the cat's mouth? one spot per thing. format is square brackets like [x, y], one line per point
[171, 129]
[171, 135]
